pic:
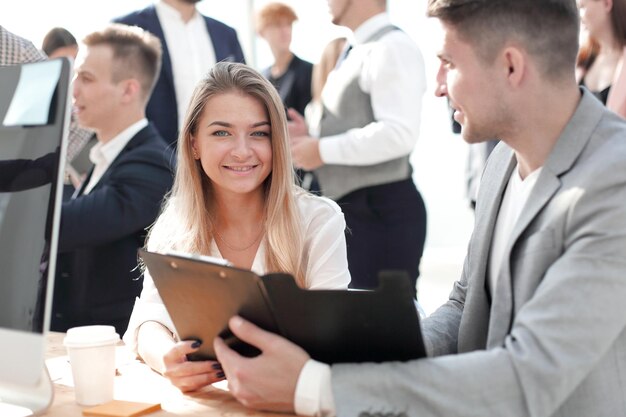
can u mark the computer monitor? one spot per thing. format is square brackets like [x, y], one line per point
[34, 121]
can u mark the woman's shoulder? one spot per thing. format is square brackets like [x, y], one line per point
[166, 227]
[311, 206]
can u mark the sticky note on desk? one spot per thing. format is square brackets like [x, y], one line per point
[117, 408]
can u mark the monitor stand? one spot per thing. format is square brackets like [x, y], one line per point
[27, 401]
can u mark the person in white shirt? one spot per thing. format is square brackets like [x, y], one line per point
[234, 197]
[372, 104]
[192, 44]
[104, 222]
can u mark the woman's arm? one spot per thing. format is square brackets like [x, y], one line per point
[154, 340]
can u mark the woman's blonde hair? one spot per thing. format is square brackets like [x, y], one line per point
[326, 64]
[187, 220]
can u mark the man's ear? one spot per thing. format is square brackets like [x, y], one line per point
[131, 89]
[515, 64]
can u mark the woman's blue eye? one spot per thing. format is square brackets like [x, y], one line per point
[220, 133]
[261, 133]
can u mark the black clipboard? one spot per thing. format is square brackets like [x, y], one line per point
[333, 326]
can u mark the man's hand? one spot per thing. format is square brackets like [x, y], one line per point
[305, 153]
[189, 375]
[265, 382]
[305, 150]
[296, 125]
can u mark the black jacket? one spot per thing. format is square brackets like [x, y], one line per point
[97, 278]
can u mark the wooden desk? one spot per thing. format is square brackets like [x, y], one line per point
[137, 382]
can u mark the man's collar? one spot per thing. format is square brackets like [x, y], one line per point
[576, 134]
[164, 9]
[112, 148]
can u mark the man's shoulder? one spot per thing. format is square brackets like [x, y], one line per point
[149, 136]
[608, 141]
[393, 34]
[17, 50]
[149, 146]
[611, 125]
[138, 17]
[397, 46]
[218, 25]
[301, 63]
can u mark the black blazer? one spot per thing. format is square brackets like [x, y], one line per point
[97, 278]
[162, 110]
[294, 86]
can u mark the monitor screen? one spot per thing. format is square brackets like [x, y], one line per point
[34, 120]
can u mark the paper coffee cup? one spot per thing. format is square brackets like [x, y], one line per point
[91, 350]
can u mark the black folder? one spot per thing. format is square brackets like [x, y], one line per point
[333, 326]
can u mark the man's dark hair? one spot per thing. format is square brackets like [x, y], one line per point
[546, 29]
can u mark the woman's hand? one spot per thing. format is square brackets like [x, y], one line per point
[189, 375]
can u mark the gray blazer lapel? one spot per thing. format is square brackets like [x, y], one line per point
[475, 321]
[503, 301]
[567, 149]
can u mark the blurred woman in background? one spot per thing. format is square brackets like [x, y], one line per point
[603, 52]
[60, 42]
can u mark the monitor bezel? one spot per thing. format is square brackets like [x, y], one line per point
[24, 379]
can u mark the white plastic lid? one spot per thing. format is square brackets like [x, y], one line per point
[89, 336]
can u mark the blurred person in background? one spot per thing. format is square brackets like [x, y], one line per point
[192, 44]
[328, 60]
[290, 74]
[16, 50]
[371, 104]
[602, 55]
[59, 42]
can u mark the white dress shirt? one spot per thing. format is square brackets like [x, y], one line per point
[103, 154]
[325, 245]
[190, 49]
[392, 72]
[314, 396]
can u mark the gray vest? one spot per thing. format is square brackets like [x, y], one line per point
[351, 108]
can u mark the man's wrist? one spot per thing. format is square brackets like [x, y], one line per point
[313, 395]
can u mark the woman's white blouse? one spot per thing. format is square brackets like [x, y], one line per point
[327, 266]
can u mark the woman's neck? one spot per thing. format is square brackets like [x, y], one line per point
[239, 227]
[602, 71]
[241, 212]
[281, 63]
[609, 43]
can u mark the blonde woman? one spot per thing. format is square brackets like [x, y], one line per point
[234, 197]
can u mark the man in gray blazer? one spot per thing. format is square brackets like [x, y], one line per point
[536, 325]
